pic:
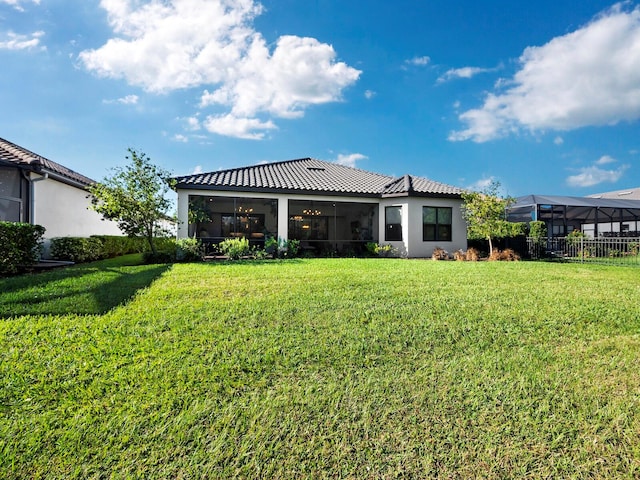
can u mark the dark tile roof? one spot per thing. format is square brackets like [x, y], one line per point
[308, 175]
[16, 155]
[410, 184]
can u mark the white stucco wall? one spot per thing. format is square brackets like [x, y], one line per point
[416, 246]
[63, 210]
[401, 247]
[412, 245]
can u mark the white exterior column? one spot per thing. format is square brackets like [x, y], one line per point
[283, 217]
[183, 213]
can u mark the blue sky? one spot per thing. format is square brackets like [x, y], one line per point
[543, 97]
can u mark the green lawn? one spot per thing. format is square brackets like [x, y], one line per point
[323, 368]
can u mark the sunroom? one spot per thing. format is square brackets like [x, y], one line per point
[321, 226]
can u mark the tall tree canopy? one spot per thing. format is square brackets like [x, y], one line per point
[485, 213]
[136, 197]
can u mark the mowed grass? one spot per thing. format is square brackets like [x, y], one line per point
[336, 368]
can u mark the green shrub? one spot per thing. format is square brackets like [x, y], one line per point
[537, 231]
[189, 250]
[282, 248]
[235, 248]
[379, 250]
[20, 245]
[116, 246]
[76, 249]
[289, 248]
[575, 237]
[260, 254]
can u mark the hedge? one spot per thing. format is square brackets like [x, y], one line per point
[98, 247]
[20, 246]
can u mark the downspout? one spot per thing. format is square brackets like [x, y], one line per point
[32, 196]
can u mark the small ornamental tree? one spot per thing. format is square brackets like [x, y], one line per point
[485, 214]
[135, 197]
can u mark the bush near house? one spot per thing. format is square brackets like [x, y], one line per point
[99, 247]
[76, 249]
[20, 246]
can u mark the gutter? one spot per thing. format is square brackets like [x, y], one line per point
[32, 196]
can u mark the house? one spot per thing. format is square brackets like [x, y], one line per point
[39, 191]
[604, 215]
[327, 206]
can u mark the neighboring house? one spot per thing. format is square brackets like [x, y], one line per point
[325, 205]
[39, 191]
[626, 194]
[615, 215]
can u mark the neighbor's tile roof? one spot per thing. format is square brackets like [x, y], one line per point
[314, 176]
[14, 154]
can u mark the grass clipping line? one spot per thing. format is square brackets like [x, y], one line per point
[332, 368]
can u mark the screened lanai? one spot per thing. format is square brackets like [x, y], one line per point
[596, 217]
[320, 226]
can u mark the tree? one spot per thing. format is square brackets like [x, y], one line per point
[135, 197]
[485, 214]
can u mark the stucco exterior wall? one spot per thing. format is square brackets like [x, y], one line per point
[412, 244]
[63, 210]
[401, 247]
[416, 247]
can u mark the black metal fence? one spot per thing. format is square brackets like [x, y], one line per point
[605, 250]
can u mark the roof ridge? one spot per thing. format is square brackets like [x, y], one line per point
[284, 162]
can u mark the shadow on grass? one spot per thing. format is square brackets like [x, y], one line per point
[91, 289]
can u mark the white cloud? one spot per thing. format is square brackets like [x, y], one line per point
[590, 77]
[590, 176]
[17, 4]
[594, 175]
[126, 100]
[558, 140]
[369, 94]
[197, 169]
[232, 126]
[350, 159]
[193, 124]
[178, 44]
[605, 159]
[129, 100]
[178, 137]
[418, 61]
[481, 184]
[464, 72]
[16, 41]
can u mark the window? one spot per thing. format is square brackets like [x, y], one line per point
[436, 224]
[243, 225]
[308, 227]
[393, 224]
[12, 195]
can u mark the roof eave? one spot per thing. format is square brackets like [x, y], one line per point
[289, 191]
